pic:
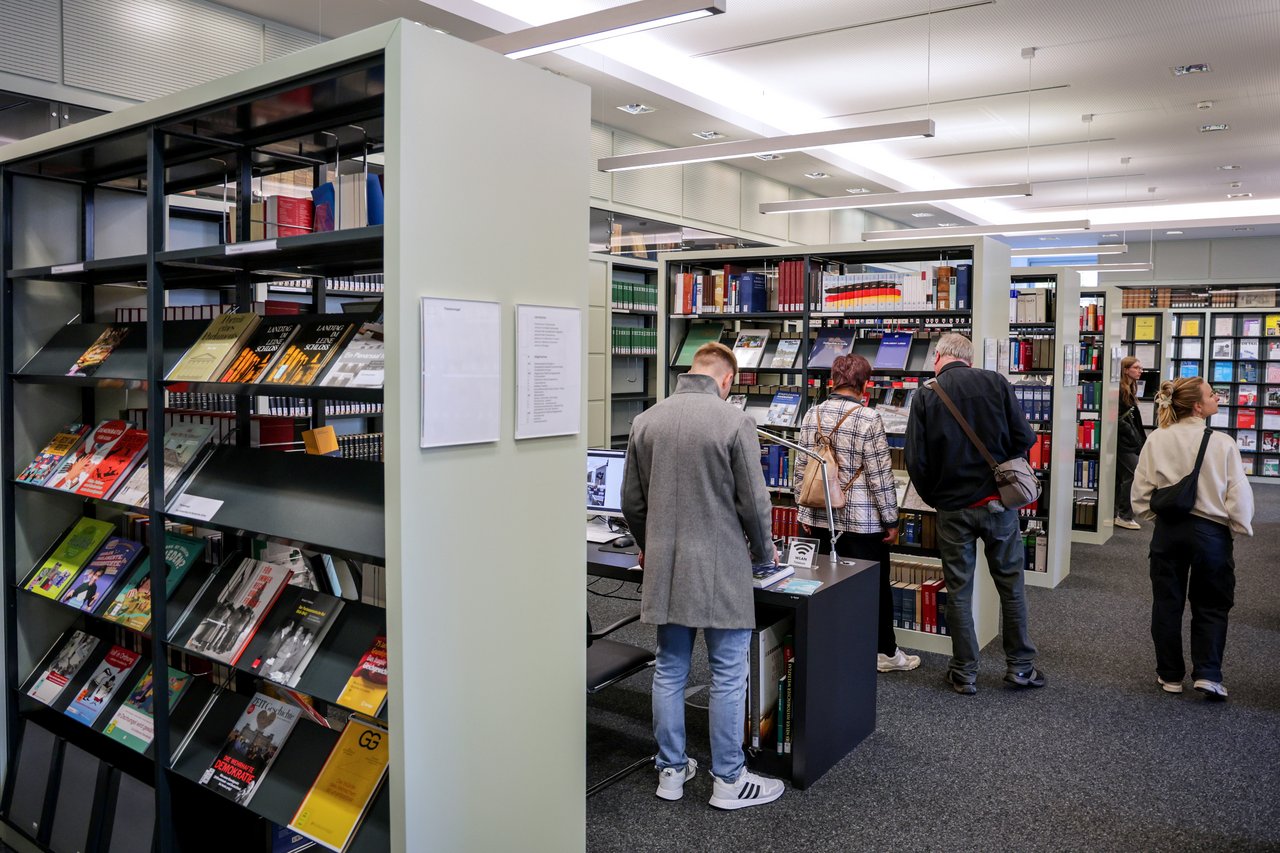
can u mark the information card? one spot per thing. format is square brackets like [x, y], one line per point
[548, 371]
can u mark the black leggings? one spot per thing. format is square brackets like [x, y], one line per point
[867, 546]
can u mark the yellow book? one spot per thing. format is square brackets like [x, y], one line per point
[333, 808]
[366, 689]
[1144, 328]
[71, 555]
[1273, 326]
[209, 355]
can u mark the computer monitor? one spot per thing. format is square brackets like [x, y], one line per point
[604, 482]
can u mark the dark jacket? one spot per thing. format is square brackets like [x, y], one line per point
[1130, 433]
[947, 470]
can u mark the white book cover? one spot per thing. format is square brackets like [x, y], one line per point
[1248, 348]
[182, 443]
[749, 347]
[362, 363]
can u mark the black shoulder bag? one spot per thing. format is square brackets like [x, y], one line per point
[1176, 502]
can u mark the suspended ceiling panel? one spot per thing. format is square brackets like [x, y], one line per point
[29, 38]
[652, 189]
[755, 192]
[601, 147]
[278, 41]
[713, 193]
[813, 228]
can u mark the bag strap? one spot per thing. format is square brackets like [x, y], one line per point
[964, 425]
[1204, 445]
[829, 437]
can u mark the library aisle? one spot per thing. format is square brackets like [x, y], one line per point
[1099, 760]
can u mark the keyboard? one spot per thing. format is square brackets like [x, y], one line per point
[599, 532]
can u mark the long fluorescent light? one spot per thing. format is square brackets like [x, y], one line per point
[1069, 251]
[769, 145]
[1135, 267]
[979, 230]
[607, 23]
[888, 199]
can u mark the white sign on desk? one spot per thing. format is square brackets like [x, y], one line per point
[548, 371]
[461, 372]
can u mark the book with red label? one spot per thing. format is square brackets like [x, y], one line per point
[366, 689]
[229, 625]
[107, 680]
[73, 655]
[76, 466]
[288, 216]
[251, 748]
[43, 466]
[115, 466]
[291, 634]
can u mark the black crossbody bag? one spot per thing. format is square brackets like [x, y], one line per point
[1176, 502]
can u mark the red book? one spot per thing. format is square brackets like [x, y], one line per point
[116, 465]
[288, 216]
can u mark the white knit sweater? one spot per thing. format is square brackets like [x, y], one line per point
[1222, 493]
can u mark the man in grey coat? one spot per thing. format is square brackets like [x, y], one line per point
[693, 487]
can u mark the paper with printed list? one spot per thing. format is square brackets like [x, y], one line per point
[548, 371]
[461, 372]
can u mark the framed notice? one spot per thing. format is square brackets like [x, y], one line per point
[548, 371]
[461, 372]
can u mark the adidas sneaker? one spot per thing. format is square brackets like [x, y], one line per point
[749, 790]
[671, 780]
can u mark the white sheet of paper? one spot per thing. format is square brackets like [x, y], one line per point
[194, 506]
[461, 372]
[548, 371]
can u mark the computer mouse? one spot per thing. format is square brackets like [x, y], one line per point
[623, 542]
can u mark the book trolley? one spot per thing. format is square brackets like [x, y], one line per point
[85, 218]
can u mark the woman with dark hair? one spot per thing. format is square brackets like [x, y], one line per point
[869, 519]
[1130, 436]
[1192, 556]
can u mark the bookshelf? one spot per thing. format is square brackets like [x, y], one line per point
[1098, 398]
[1148, 337]
[67, 269]
[861, 290]
[1048, 387]
[1244, 368]
[633, 313]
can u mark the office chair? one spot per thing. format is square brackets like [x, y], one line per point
[609, 662]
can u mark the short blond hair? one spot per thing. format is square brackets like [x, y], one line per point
[714, 357]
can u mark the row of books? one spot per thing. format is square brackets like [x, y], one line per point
[1091, 355]
[1086, 474]
[949, 288]
[1092, 316]
[786, 521]
[776, 461]
[920, 605]
[1245, 349]
[175, 312]
[1088, 435]
[1245, 418]
[1232, 296]
[1084, 513]
[1090, 396]
[1237, 371]
[634, 340]
[350, 201]
[1040, 456]
[641, 296]
[361, 446]
[771, 666]
[300, 407]
[1032, 305]
[917, 529]
[1270, 466]
[732, 290]
[1035, 547]
[1248, 395]
[1247, 325]
[372, 282]
[1248, 441]
[1036, 402]
[1034, 352]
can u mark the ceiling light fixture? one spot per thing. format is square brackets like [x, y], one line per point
[1173, 233]
[1214, 128]
[768, 145]
[856, 189]
[1069, 251]
[637, 109]
[1239, 195]
[890, 199]
[1197, 68]
[1136, 267]
[1242, 228]
[768, 156]
[607, 23]
[978, 230]
[816, 175]
[1228, 168]
[922, 215]
[708, 134]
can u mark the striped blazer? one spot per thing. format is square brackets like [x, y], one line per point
[871, 503]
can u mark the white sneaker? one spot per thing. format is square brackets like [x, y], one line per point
[1211, 689]
[1127, 523]
[671, 780]
[900, 662]
[1169, 686]
[750, 790]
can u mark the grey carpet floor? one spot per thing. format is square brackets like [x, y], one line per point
[1099, 760]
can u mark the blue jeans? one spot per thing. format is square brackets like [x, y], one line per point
[727, 654]
[958, 533]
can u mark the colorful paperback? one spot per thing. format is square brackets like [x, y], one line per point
[798, 586]
[366, 689]
[1189, 368]
[784, 409]
[132, 604]
[107, 680]
[1271, 467]
[1248, 348]
[1250, 326]
[134, 721]
[830, 345]
[80, 462]
[225, 631]
[784, 356]
[749, 347]
[333, 808]
[92, 587]
[305, 356]
[182, 443]
[71, 657]
[118, 463]
[69, 558]
[251, 748]
[43, 466]
[895, 349]
[268, 340]
[363, 363]
[291, 634]
[215, 348]
[1272, 326]
[98, 352]
[1222, 371]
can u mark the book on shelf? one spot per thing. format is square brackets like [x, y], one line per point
[110, 471]
[894, 351]
[307, 354]
[1247, 441]
[769, 574]
[1250, 326]
[784, 409]
[1189, 348]
[366, 689]
[182, 443]
[99, 351]
[108, 679]
[287, 216]
[132, 605]
[784, 356]
[1248, 371]
[1146, 353]
[749, 347]
[767, 666]
[830, 344]
[697, 335]
[1248, 348]
[1144, 327]
[93, 587]
[63, 668]
[1246, 395]
[1224, 348]
[1271, 417]
[134, 721]
[362, 363]
[215, 348]
[739, 400]
[1248, 462]
[1188, 369]
[251, 748]
[1273, 350]
[69, 558]
[1271, 467]
[334, 807]
[1189, 326]
[1224, 324]
[291, 634]
[1220, 418]
[47, 461]
[1271, 325]
[1222, 371]
[241, 605]
[1272, 373]
[257, 353]
[1270, 442]
[76, 465]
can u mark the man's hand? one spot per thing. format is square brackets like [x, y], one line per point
[640, 560]
[776, 558]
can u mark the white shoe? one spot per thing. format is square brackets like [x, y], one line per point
[749, 790]
[1212, 690]
[1169, 686]
[671, 780]
[900, 662]
[1128, 523]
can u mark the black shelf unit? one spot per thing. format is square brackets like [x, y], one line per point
[634, 303]
[1249, 379]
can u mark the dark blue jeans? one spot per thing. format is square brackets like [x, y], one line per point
[1191, 559]
[958, 534]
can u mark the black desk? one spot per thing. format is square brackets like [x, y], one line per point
[834, 694]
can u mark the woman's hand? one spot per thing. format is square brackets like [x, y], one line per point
[891, 535]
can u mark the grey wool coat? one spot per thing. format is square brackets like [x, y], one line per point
[693, 487]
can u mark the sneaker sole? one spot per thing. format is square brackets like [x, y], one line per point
[1211, 696]
[908, 668]
[1174, 687]
[730, 805]
[670, 796]
[961, 687]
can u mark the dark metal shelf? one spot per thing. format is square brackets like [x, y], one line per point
[763, 315]
[131, 268]
[1033, 371]
[325, 253]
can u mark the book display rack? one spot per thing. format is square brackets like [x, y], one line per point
[788, 313]
[290, 597]
[1244, 369]
[1097, 400]
[1147, 337]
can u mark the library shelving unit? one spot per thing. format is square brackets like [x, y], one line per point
[85, 229]
[1098, 398]
[1244, 368]
[1148, 337]
[631, 376]
[805, 302]
[1048, 390]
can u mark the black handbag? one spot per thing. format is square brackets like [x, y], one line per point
[1176, 502]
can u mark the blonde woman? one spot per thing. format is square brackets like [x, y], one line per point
[1130, 436]
[1191, 556]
